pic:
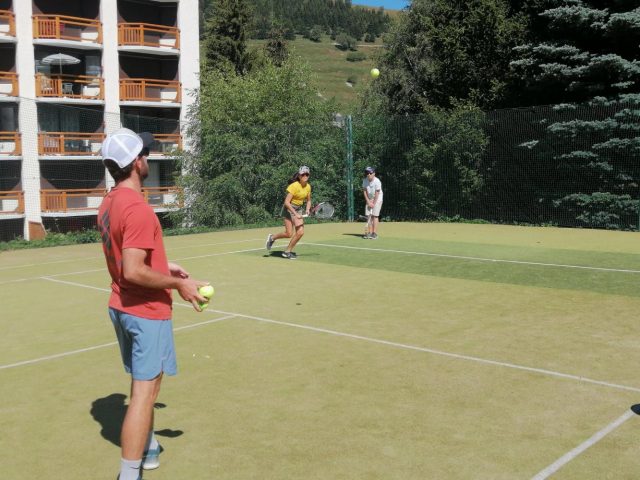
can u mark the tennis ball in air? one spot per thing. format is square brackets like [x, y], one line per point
[375, 73]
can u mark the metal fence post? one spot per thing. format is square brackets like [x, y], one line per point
[350, 199]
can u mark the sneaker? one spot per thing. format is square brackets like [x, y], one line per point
[151, 459]
[373, 236]
[289, 255]
[270, 241]
[294, 255]
[366, 236]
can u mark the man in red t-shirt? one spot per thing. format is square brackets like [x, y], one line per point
[140, 302]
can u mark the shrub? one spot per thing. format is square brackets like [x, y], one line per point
[356, 56]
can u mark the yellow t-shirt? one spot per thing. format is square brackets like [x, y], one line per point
[299, 193]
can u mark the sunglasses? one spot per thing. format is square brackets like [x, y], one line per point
[304, 174]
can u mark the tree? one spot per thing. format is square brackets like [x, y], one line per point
[583, 59]
[253, 131]
[225, 36]
[444, 51]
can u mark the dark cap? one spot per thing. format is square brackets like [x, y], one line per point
[369, 170]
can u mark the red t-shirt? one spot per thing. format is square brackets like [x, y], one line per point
[125, 220]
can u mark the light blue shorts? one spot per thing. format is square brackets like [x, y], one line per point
[146, 346]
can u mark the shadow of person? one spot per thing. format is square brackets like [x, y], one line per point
[109, 412]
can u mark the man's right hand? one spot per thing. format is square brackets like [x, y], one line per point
[188, 290]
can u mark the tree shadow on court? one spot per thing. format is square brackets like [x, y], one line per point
[109, 412]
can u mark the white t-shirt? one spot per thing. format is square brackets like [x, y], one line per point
[372, 187]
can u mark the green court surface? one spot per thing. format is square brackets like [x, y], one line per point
[438, 351]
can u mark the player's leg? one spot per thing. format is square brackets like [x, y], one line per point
[375, 220]
[288, 229]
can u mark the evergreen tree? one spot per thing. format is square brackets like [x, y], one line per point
[583, 58]
[225, 45]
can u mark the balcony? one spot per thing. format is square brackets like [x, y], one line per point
[12, 203]
[7, 24]
[149, 90]
[78, 87]
[147, 35]
[8, 84]
[10, 144]
[61, 27]
[166, 143]
[77, 200]
[70, 143]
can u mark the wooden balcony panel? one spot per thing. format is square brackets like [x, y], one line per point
[150, 90]
[166, 143]
[62, 27]
[8, 84]
[82, 87]
[148, 35]
[10, 143]
[165, 197]
[63, 201]
[7, 23]
[12, 202]
[69, 143]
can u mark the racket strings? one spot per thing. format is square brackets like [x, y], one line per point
[324, 210]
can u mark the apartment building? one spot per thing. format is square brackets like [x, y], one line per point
[71, 72]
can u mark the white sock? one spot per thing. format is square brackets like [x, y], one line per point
[130, 469]
[152, 442]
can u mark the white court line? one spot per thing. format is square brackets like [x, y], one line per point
[97, 257]
[458, 356]
[478, 259]
[103, 269]
[104, 345]
[567, 457]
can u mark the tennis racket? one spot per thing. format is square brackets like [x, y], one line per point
[369, 220]
[321, 211]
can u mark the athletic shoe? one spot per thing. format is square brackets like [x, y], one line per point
[366, 236]
[270, 241]
[373, 236]
[294, 255]
[151, 458]
[288, 255]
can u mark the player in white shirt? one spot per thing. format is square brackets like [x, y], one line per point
[372, 189]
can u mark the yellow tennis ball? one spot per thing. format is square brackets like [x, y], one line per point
[206, 291]
[375, 73]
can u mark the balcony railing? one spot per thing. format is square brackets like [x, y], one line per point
[148, 90]
[12, 202]
[166, 143]
[70, 86]
[69, 143]
[8, 84]
[148, 35]
[10, 143]
[7, 23]
[64, 201]
[61, 27]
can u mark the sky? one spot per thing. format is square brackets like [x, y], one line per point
[388, 4]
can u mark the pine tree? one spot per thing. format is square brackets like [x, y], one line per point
[583, 59]
[225, 37]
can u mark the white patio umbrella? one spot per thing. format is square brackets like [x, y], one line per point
[60, 59]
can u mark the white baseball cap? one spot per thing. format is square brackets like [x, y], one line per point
[123, 146]
[303, 169]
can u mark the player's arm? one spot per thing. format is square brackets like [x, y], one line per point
[135, 270]
[308, 203]
[288, 206]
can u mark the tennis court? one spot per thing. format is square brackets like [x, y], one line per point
[439, 351]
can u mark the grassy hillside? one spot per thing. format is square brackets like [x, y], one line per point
[337, 77]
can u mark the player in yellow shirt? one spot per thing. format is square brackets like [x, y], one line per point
[296, 204]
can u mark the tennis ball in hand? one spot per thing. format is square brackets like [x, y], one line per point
[206, 291]
[375, 73]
